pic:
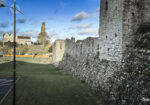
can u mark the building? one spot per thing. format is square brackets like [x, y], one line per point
[42, 37]
[58, 51]
[19, 39]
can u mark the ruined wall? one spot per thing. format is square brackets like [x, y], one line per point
[84, 48]
[81, 59]
[58, 51]
[117, 63]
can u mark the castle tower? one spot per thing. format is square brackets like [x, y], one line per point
[136, 19]
[119, 22]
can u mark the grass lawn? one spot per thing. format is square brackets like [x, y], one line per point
[43, 84]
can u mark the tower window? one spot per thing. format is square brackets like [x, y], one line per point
[106, 8]
[115, 35]
[133, 13]
[60, 45]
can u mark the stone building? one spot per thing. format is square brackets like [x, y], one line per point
[58, 51]
[19, 39]
[23, 40]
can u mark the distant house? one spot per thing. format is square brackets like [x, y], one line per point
[19, 39]
[24, 40]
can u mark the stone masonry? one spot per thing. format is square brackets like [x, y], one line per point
[58, 51]
[116, 64]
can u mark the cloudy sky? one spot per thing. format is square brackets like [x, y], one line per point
[64, 18]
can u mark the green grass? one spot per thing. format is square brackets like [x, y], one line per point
[5, 59]
[24, 59]
[43, 84]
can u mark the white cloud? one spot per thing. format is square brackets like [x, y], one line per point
[53, 34]
[4, 24]
[81, 26]
[80, 16]
[84, 15]
[90, 31]
[31, 33]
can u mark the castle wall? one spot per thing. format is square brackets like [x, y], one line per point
[111, 15]
[82, 48]
[58, 51]
[136, 20]
[81, 59]
[117, 63]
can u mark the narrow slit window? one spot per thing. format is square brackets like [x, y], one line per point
[60, 45]
[106, 8]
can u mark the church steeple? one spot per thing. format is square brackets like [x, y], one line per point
[42, 37]
[43, 27]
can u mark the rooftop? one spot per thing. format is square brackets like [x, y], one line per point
[23, 37]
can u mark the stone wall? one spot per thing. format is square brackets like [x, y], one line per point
[58, 51]
[111, 14]
[87, 47]
[136, 17]
[120, 83]
[131, 85]
[117, 63]
[81, 59]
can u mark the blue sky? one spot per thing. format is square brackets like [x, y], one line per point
[64, 18]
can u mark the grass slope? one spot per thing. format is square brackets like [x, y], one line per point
[43, 84]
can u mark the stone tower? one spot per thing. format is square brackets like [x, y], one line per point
[43, 27]
[120, 20]
[42, 37]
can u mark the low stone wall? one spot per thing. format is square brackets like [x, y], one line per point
[90, 70]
